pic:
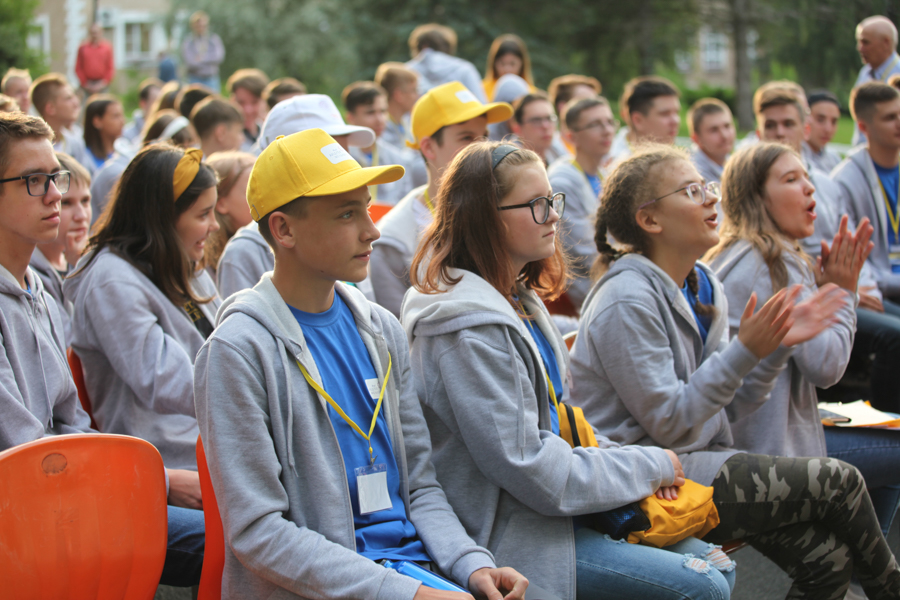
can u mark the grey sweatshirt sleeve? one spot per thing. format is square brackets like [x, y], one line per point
[577, 235]
[245, 470]
[438, 527]
[488, 386]
[672, 412]
[153, 364]
[389, 275]
[237, 271]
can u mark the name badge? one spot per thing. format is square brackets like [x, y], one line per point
[372, 488]
[894, 257]
[374, 388]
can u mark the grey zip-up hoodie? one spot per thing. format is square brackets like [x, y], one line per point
[643, 375]
[137, 348]
[788, 424]
[514, 484]
[246, 257]
[53, 287]
[863, 198]
[276, 463]
[437, 68]
[577, 224]
[37, 394]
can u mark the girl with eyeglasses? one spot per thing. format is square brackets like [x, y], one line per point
[769, 209]
[654, 365]
[490, 368]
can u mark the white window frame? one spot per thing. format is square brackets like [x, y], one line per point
[713, 51]
[40, 40]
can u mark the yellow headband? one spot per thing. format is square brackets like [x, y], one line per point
[187, 169]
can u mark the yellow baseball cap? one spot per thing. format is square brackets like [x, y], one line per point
[449, 104]
[308, 163]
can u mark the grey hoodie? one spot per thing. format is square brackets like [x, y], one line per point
[577, 225]
[514, 484]
[709, 169]
[393, 252]
[788, 424]
[863, 198]
[137, 348]
[643, 375]
[53, 287]
[37, 394]
[437, 68]
[246, 257]
[276, 463]
[388, 193]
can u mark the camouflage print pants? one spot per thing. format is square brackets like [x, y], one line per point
[810, 516]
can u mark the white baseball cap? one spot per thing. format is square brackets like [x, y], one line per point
[311, 111]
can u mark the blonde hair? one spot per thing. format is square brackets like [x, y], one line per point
[746, 216]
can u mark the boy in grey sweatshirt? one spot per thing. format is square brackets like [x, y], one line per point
[310, 502]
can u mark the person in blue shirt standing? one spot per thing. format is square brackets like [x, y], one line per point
[315, 439]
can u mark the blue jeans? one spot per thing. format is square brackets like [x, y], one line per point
[213, 82]
[876, 453]
[184, 554]
[606, 568]
[879, 334]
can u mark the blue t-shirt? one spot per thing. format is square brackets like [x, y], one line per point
[595, 182]
[551, 367]
[345, 367]
[705, 293]
[889, 181]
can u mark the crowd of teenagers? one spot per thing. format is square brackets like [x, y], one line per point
[383, 402]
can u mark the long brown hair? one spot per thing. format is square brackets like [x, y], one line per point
[468, 233]
[138, 224]
[746, 216]
[96, 107]
[509, 43]
[630, 185]
[229, 166]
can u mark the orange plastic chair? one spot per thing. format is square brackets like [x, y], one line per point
[78, 376]
[562, 306]
[82, 516]
[376, 211]
[214, 550]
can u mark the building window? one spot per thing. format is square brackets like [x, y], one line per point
[137, 41]
[39, 38]
[713, 51]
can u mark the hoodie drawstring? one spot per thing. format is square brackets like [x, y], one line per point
[37, 341]
[289, 434]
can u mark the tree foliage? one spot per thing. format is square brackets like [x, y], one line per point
[15, 26]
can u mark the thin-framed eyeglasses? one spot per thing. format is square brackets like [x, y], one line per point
[605, 123]
[540, 207]
[38, 184]
[695, 191]
[535, 121]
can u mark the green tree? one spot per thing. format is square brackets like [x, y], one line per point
[16, 18]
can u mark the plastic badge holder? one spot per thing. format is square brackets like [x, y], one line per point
[432, 580]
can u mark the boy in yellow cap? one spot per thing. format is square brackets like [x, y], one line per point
[444, 120]
[315, 439]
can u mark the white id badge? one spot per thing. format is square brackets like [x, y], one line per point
[371, 484]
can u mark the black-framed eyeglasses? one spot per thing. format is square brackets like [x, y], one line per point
[38, 184]
[695, 191]
[540, 207]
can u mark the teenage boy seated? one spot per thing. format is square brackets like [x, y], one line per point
[57, 103]
[711, 127]
[37, 394]
[590, 127]
[190, 96]
[825, 112]
[401, 85]
[534, 122]
[247, 254]
[218, 124]
[246, 87]
[313, 495]
[444, 121]
[869, 178]
[564, 89]
[282, 89]
[651, 107]
[366, 106]
[432, 47]
[148, 91]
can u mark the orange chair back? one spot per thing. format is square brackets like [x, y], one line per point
[214, 551]
[78, 376]
[562, 306]
[82, 516]
[376, 211]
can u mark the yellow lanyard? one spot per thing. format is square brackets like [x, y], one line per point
[524, 317]
[373, 189]
[428, 203]
[894, 218]
[343, 415]
[580, 168]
